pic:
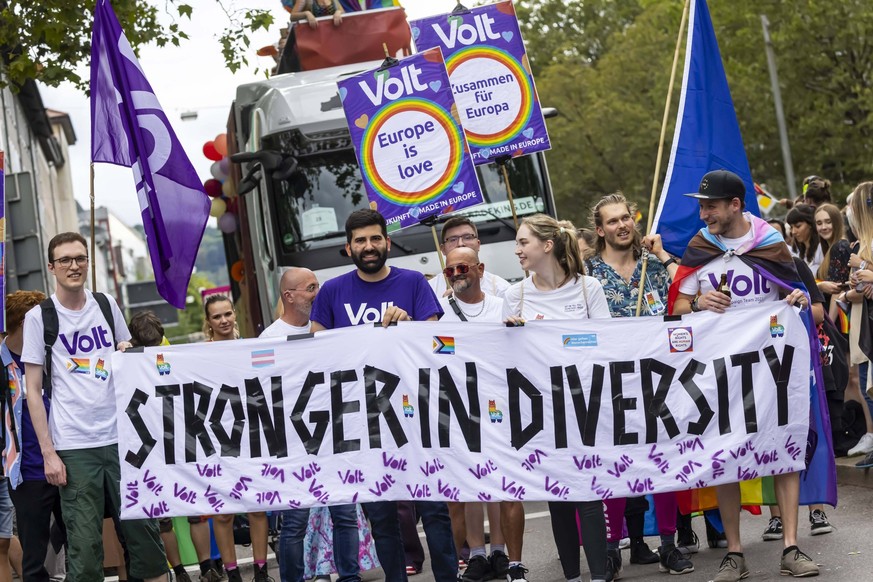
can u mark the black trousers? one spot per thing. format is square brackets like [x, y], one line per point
[35, 502]
[566, 533]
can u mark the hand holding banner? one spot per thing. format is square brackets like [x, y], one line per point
[491, 79]
[414, 159]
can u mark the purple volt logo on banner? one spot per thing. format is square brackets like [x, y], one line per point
[491, 79]
[414, 158]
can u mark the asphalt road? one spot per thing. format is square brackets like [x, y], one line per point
[845, 555]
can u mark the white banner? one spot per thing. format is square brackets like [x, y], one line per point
[555, 410]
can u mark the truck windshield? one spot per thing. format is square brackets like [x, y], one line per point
[312, 206]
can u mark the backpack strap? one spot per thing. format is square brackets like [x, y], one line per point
[456, 308]
[50, 330]
[106, 309]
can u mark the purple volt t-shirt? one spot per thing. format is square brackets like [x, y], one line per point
[348, 300]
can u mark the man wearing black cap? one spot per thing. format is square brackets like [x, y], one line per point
[735, 243]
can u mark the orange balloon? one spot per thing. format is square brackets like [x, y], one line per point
[237, 270]
[220, 142]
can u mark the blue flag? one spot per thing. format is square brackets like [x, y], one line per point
[129, 128]
[707, 136]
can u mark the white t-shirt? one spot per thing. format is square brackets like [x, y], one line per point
[491, 311]
[281, 329]
[491, 285]
[817, 259]
[567, 302]
[747, 286]
[83, 394]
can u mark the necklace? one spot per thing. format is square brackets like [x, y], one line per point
[468, 315]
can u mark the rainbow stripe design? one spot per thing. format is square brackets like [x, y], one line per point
[528, 96]
[443, 345]
[442, 119]
[162, 366]
[100, 371]
[79, 366]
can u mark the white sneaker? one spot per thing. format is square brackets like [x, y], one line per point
[864, 446]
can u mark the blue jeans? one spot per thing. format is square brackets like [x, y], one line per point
[385, 527]
[345, 543]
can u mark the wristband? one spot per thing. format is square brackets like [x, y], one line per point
[668, 262]
[863, 266]
[695, 306]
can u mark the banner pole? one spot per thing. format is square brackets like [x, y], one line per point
[502, 161]
[93, 237]
[431, 222]
[660, 155]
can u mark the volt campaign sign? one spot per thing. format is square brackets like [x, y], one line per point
[491, 79]
[414, 158]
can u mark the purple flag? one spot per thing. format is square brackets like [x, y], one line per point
[129, 128]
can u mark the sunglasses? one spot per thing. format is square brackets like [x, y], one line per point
[461, 269]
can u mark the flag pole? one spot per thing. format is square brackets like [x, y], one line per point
[660, 155]
[93, 237]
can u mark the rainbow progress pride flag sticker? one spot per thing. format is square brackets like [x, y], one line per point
[491, 79]
[414, 159]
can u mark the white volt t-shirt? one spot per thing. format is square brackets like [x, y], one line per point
[83, 394]
[281, 329]
[747, 286]
[491, 285]
[567, 302]
[490, 312]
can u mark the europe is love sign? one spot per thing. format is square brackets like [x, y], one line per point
[555, 410]
[414, 158]
[491, 78]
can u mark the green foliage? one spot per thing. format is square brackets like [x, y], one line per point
[47, 40]
[608, 78]
[191, 318]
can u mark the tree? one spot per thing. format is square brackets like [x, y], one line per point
[47, 40]
[609, 82]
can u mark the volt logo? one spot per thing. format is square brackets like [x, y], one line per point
[367, 314]
[392, 87]
[467, 34]
[96, 339]
[742, 285]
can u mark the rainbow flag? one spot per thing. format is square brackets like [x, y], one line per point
[359, 5]
[443, 345]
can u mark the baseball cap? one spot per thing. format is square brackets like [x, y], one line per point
[720, 185]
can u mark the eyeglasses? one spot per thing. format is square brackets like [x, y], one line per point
[309, 288]
[453, 240]
[461, 269]
[65, 262]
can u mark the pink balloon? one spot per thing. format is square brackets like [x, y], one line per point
[227, 223]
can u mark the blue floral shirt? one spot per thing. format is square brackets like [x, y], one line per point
[621, 296]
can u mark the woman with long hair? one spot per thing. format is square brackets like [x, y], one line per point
[833, 273]
[220, 325]
[860, 212]
[559, 289]
[805, 242]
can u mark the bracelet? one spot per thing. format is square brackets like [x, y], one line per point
[863, 266]
[695, 306]
[668, 262]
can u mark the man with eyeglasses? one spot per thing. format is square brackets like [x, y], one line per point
[460, 231]
[298, 287]
[80, 442]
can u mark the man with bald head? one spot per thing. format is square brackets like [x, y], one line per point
[298, 288]
[469, 302]
[465, 274]
[460, 232]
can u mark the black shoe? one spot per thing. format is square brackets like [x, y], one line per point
[478, 569]
[234, 575]
[518, 573]
[866, 462]
[641, 554]
[182, 576]
[499, 564]
[687, 541]
[673, 561]
[261, 575]
[613, 565]
[713, 538]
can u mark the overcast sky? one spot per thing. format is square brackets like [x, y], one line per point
[192, 77]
